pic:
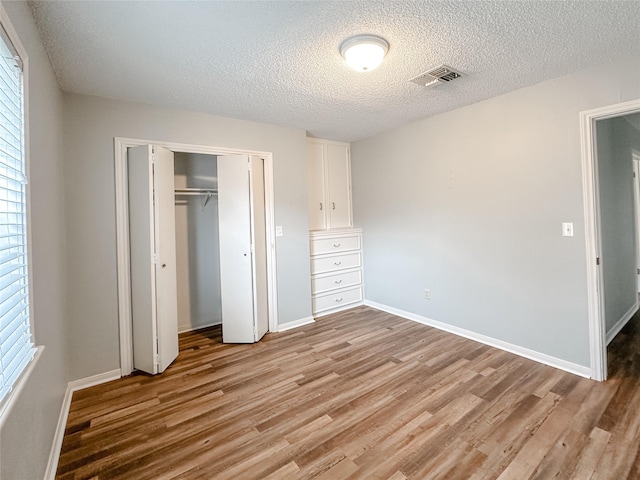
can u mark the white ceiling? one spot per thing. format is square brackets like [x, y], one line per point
[278, 61]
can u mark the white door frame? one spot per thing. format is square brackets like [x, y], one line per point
[597, 330]
[635, 155]
[122, 233]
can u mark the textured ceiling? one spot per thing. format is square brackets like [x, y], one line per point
[278, 61]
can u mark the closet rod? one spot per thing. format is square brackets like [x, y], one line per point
[196, 191]
[208, 193]
[205, 192]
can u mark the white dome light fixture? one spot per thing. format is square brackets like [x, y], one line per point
[364, 52]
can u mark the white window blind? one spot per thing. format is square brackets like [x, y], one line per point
[16, 347]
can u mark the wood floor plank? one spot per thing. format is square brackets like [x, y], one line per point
[361, 394]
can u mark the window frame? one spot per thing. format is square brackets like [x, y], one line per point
[11, 399]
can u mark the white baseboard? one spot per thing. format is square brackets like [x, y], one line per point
[94, 380]
[54, 455]
[621, 323]
[295, 324]
[190, 328]
[502, 345]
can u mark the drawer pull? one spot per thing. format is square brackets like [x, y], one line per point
[339, 299]
[336, 245]
[337, 263]
[337, 281]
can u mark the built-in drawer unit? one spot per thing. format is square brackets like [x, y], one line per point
[337, 300]
[320, 246]
[336, 270]
[321, 284]
[333, 263]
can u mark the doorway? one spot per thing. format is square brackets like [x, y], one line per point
[595, 237]
[122, 229]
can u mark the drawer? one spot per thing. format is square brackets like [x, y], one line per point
[335, 262]
[337, 244]
[336, 300]
[338, 280]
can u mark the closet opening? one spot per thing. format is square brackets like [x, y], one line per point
[197, 241]
[196, 247]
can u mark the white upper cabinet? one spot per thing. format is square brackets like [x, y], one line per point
[329, 181]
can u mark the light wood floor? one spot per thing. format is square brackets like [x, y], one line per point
[360, 395]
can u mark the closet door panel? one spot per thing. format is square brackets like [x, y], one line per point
[165, 267]
[141, 248]
[316, 186]
[339, 184]
[234, 220]
[258, 227]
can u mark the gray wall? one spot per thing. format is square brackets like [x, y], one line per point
[616, 139]
[90, 124]
[197, 245]
[26, 438]
[470, 204]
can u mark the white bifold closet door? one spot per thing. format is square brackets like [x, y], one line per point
[154, 303]
[243, 248]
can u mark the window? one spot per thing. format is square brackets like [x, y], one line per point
[16, 346]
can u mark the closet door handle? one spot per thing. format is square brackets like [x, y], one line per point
[164, 265]
[320, 205]
[334, 205]
[336, 245]
[339, 299]
[338, 281]
[337, 263]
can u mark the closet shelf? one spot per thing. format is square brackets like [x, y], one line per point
[206, 192]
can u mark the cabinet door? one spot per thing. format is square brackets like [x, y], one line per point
[316, 177]
[339, 186]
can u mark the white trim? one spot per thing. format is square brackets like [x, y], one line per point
[595, 304]
[295, 324]
[54, 454]
[12, 397]
[122, 232]
[94, 380]
[500, 344]
[622, 322]
[635, 159]
[185, 328]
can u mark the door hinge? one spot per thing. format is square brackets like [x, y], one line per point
[597, 260]
[156, 358]
[155, 258]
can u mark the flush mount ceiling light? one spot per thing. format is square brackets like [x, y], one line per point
[364, 52]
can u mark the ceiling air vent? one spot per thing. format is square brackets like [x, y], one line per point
[434, 76]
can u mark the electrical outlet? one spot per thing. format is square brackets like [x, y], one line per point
[427, 294]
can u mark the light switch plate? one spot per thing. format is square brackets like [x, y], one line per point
[279, 231]
[567, 229]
